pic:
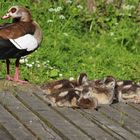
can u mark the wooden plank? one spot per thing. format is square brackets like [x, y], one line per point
[128, 110]
[119, 117]
[108, 124]
[14, 127]
[4, 135]
[84, 124]
[59, 124]
[136, 106]
[26, 117]
[113, 128]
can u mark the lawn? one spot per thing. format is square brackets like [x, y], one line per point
[105, 42]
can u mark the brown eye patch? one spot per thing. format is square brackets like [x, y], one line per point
[13, 10]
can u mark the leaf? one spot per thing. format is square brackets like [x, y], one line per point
[53, 73]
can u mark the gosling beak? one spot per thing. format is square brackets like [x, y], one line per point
[7, 15]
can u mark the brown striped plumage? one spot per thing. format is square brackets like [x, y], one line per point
[127, 91]
[84, 93]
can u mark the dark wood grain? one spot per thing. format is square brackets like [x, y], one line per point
[63, 127]
[26, 115]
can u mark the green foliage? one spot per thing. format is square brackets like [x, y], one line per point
[103, 43]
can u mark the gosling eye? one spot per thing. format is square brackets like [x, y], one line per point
[13, 10]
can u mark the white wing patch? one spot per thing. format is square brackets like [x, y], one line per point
[27, 42]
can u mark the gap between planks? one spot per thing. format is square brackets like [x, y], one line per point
[60, 125]
[26, 117]
[106, 129]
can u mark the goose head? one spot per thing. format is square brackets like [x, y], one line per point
[18, 12]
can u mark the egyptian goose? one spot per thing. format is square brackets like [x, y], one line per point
[19, 38]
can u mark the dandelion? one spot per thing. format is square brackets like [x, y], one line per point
[49, 21]
[38, 65]
[23, 60]
[48, 61]
[33, 63]
[79, 6]
[71, 78]
[51, 10]
[37, 61]
[58, 9]
[29, 65]
[68, 1]
[26, 60]
[62, 17]
[51, 68]
[60, 74]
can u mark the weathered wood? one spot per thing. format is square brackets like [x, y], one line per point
[135, 106]
[26, 117]
[4, 135]
[115, 129]
[59, 124]
[83, 123]
[14, 127]
[126, 122]
[128, 110]
[108, 124]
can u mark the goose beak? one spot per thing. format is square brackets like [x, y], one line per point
[6, 16]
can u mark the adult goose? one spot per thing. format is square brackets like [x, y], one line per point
[19, 38]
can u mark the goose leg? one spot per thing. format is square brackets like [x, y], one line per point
[8, 69]
[16, 77]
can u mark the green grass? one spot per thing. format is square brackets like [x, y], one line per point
[100, 44]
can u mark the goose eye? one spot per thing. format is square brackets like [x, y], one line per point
[13, 10]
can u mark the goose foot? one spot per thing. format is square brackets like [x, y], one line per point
[15, 79]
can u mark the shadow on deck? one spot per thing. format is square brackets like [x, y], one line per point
[25, 115]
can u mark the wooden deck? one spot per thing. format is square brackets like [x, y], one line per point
[25, 115]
